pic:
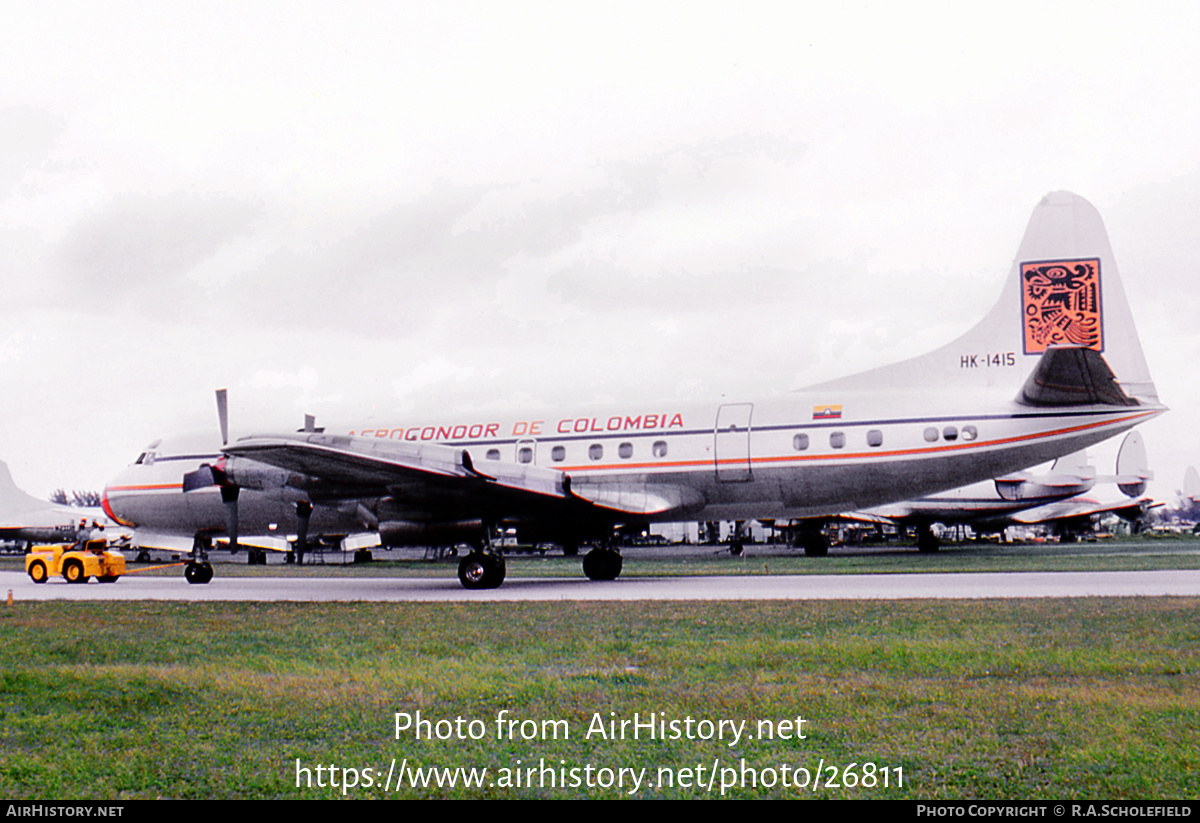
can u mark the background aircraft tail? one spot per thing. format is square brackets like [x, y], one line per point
[1063, 289]
[1191, 484]
[12, 499]
[1133, 467]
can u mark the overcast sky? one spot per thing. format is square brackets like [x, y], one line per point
[351, 208]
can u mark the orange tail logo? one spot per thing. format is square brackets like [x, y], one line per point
[1060, 303]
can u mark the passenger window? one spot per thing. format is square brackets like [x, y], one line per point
[660, 448]
[493, 454]
[969, 433]
[595, 451]
[950, 433]
[525, 455]
[874, 437]
[800, 442]
[558, 454]
[837, 440]
[931, 435]
[625, 450]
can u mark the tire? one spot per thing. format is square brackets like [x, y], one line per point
[107, 578]
[198, 573]
[602, 564]
[73, 572]
[481, 571]
[816, 545]
[37, 572]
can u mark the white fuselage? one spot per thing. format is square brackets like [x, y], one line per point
[795, 455]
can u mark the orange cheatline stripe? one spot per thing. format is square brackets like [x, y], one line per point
[148, 487]
[800, 458]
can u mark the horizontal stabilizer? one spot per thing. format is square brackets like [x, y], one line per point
[1073, 377]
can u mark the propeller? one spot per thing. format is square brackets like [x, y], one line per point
[209, 474]
[215, 475]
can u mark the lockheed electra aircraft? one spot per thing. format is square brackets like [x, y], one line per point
[1054, 367]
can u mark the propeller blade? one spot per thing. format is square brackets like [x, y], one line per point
[223, 415]
[229, 496]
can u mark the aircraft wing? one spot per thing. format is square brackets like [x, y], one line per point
[1082, 507]
[429, 476]
[345, 467]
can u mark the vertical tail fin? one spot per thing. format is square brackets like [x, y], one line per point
[1063, 289]
[1191, 484]
[12, 498]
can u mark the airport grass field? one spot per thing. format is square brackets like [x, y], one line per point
[1085, 698]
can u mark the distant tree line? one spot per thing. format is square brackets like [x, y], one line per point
[83, 499]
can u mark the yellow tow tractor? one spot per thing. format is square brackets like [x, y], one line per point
[75, 565]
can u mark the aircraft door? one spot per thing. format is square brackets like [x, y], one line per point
[731, 442]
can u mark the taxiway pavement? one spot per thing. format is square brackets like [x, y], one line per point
[953, 586]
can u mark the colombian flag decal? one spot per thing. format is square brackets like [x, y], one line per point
[827, 412]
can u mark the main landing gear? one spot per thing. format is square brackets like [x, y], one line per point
[481, 570]
[483, 567]
[602, 563]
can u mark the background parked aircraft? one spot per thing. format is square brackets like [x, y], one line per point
[1059, 496]
[24, 517]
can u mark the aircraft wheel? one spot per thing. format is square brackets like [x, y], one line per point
[37, 572]
[927, 543]
[735, 548]
[816, 545]
[198, 572]
[481, 571]
[602, 564]
[73, 572]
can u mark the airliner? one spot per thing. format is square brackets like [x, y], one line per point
[1054, 367]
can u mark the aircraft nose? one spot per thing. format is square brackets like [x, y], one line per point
[111, 502]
